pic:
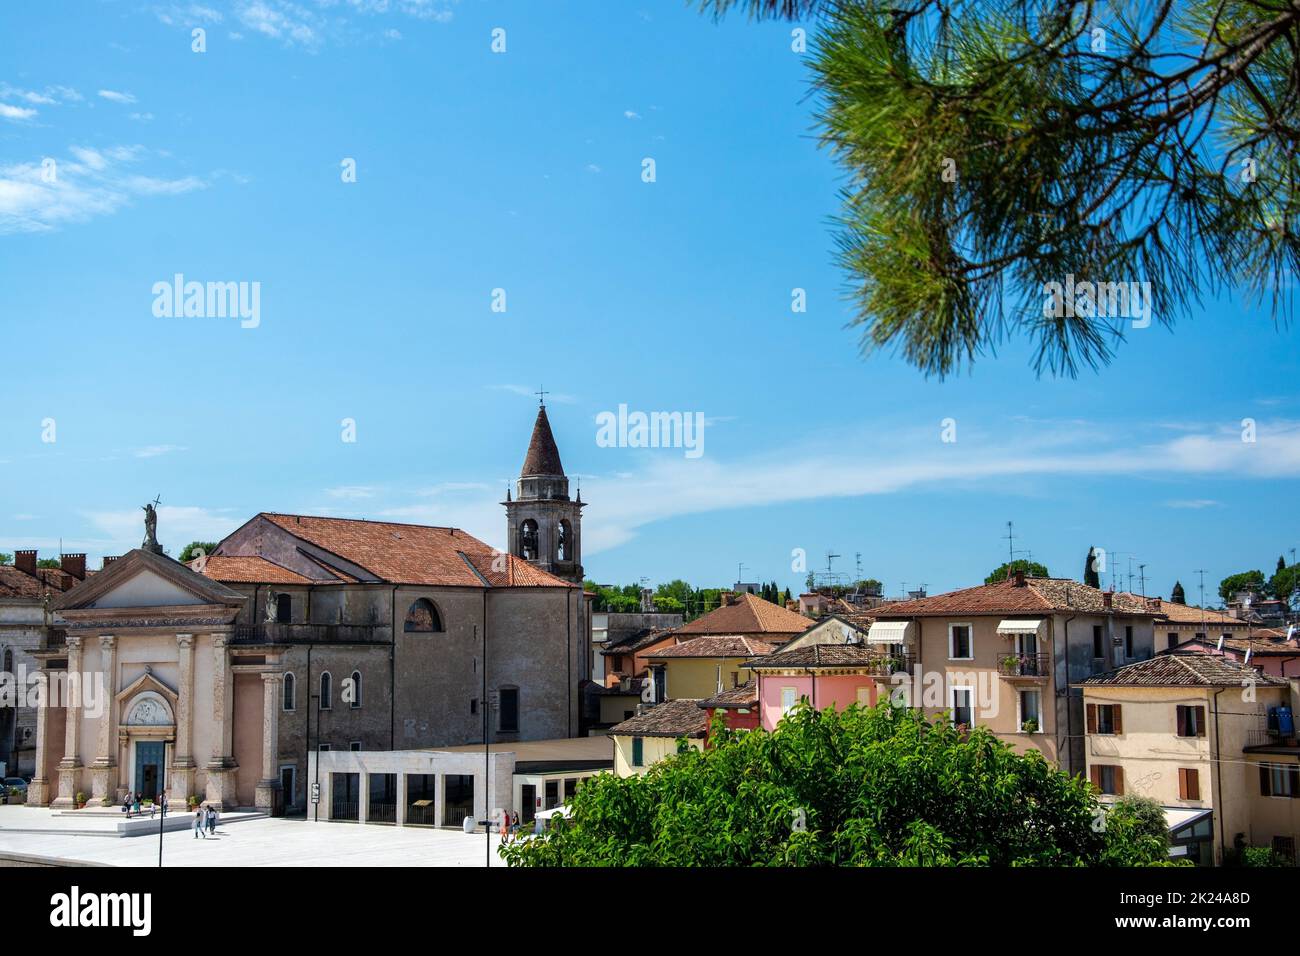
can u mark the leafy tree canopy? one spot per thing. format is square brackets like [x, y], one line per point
[1003, 571]
[1001, 152]
[880, 786]
[1243, 581]
[191, 550]
[48, 563]
[6, 558]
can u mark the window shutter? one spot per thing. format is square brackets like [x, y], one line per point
[1092, 719]
[1200, 721]
[1193, 784]
[1265, 781]
[1094, 773]
[1182, 784]
[1293, 772]
[1119, 781]
[1182, 721]
[1117, 720]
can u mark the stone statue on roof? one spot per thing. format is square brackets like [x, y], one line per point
[151, 529]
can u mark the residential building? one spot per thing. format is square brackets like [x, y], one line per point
[738, 706]
[1010, 655]
[825, 675]
[611, 630]
[746, 615]
[25, 591]
[1266, 649]
[659, 732]
[703, 666]
[1191, 731]
[1177, 624]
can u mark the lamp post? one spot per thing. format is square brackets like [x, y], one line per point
[162, 817]
[316, 805]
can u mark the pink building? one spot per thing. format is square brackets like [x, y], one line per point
[827, 675]
[1271, 652]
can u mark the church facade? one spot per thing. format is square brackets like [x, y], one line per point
[217, 679]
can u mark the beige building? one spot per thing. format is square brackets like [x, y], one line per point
[704, 666]
[1191, 731]
[1009, 656]
[644, 740]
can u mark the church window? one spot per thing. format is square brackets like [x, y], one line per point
[565, 549]
[326, 691]
[290, 692]
[356, 689]
[283, 609]
[528, 540]
[422, 618]
[509, 713]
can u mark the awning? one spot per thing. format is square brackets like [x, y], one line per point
[1020, 627]
[887, 632]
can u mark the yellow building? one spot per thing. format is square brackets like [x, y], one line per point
[1185, 730]
[651, 736]
[704, 666]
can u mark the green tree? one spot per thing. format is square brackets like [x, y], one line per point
[1281, 564]
[6, 558]
[993, 148]
[1177, 596]
[1003, 571]
[880, 786]
[1243, 581]
[1283, 584]
[191, 550]
[48, 563]
[786, 597]
[1091, 576]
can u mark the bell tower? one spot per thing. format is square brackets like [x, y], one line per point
[543, 525]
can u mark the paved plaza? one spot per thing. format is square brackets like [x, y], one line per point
[38, 835]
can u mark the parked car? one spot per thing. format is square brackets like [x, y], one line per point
[18, 782]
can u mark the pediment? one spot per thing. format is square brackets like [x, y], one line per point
[144, 579]
[147, 683]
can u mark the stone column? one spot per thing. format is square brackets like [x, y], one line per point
[221, 763]
[363, 795]
[70, 766]
[181, 784]
[103, 772]
[270, 782]
[401, 798]
[38, 791]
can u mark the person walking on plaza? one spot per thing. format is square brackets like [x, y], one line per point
[198, 824]
[211, 819]
[126, 804]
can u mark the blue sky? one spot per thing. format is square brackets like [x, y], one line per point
[522, 171]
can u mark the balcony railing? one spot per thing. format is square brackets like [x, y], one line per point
[1029, 666]
[315, 633]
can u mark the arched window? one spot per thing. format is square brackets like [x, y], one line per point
[8, 667]
[326, 691]
[422, 617]
[290, 691]
[356, 688]
[528, 540]
[283, 608]
[564, 548]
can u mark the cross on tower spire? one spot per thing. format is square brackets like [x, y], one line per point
[541, 395]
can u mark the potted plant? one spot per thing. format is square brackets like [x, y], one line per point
[1009, 663]
[1030, 726]
[193, 801]
[105, 802]
[80, 799]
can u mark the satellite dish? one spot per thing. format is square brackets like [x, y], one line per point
[1249, 651]
[1219, 646]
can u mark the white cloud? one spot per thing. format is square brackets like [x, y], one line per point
[1194, 503]
[631, 114]
[43, 195]
[16, 113]
[153, 451]
[142, 117]
[113, 96]
[186, 14]
[593, 168]
[351, 491]
[49, 96]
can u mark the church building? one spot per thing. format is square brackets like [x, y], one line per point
[216, 679]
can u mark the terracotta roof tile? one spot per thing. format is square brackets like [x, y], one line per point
[748, 615]
[1036, 596]
[247, 570]
[818, 655]
[673, 718]
[730, 646]
[416, 554]
[745, 695]
[1183, 670]
[639, 640]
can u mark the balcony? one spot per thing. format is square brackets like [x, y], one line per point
[309, 634]
[1025, 668]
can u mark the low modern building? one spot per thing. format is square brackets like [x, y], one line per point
[441, 787]
[1190, 731]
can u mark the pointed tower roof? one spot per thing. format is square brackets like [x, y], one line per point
[543, 457]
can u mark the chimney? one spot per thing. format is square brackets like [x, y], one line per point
[1107, 599]
[726, 598]
[1020, 579]
[792, 605]
[74, 564]
[109, 559]
[25, 561]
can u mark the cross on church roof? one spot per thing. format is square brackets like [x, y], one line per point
[541, 395]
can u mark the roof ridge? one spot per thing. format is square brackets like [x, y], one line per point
[396, 524]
